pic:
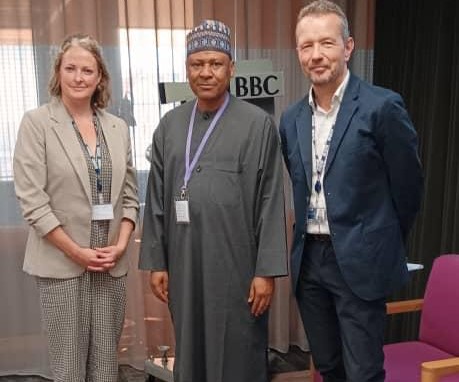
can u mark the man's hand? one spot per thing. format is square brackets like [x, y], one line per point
[159, 283]
[261, 292]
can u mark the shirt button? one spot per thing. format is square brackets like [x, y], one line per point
[198, 169]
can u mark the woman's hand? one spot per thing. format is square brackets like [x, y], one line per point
[95, 260]
[107, 257]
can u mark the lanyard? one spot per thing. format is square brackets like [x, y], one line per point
[96, 159]
[189, 167]
[320, 162]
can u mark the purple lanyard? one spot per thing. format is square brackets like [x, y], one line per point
[189, 167]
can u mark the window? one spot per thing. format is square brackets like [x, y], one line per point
[19, 91]
[152, 56]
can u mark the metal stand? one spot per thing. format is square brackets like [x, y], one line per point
[159, 369]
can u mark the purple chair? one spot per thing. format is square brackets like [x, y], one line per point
[434, 357]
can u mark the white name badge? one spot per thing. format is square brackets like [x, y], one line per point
[182, 211]
[102, 212]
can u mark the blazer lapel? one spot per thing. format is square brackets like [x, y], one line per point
[303, 128]
[67, 137]
[113, 138]
[347, 110]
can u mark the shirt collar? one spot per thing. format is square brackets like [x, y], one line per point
[337, 96]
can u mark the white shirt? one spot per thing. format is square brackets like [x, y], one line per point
[324, 121]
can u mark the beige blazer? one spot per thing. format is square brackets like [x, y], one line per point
[52, 184]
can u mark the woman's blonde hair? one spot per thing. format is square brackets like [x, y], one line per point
[101, 95]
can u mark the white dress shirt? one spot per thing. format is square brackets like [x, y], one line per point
[324, 121]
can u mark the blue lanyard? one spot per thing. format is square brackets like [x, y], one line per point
[320, 162]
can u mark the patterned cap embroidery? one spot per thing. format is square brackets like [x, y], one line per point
[209, 35]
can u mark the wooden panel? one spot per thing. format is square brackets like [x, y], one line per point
[432, 371]
[404, 306]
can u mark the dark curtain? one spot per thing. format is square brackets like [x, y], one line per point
[417, 54]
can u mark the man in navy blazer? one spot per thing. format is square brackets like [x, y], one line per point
[351, 151]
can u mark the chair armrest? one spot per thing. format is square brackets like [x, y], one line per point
[404, 306]
[432, 371]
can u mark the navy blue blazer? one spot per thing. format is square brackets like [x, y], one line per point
[373, 185]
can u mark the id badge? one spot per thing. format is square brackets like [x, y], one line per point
[102, 212]
[316, 215]
[182, 209]
[311, 214]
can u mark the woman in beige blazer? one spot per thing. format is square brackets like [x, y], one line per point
[76, 185]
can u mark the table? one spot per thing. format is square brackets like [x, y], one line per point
[414, 267]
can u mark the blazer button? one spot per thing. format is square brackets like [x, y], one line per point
[303, 236]
[198, 169]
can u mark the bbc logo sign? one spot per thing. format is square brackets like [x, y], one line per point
[258, 85]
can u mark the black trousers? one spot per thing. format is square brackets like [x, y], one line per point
[345, 333]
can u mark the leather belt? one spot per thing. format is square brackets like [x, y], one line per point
[318, 237]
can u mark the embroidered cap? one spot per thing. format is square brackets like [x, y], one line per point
[209, 35]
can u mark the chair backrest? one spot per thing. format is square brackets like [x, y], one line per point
[440, 313]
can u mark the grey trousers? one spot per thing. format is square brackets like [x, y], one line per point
[84, 318]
